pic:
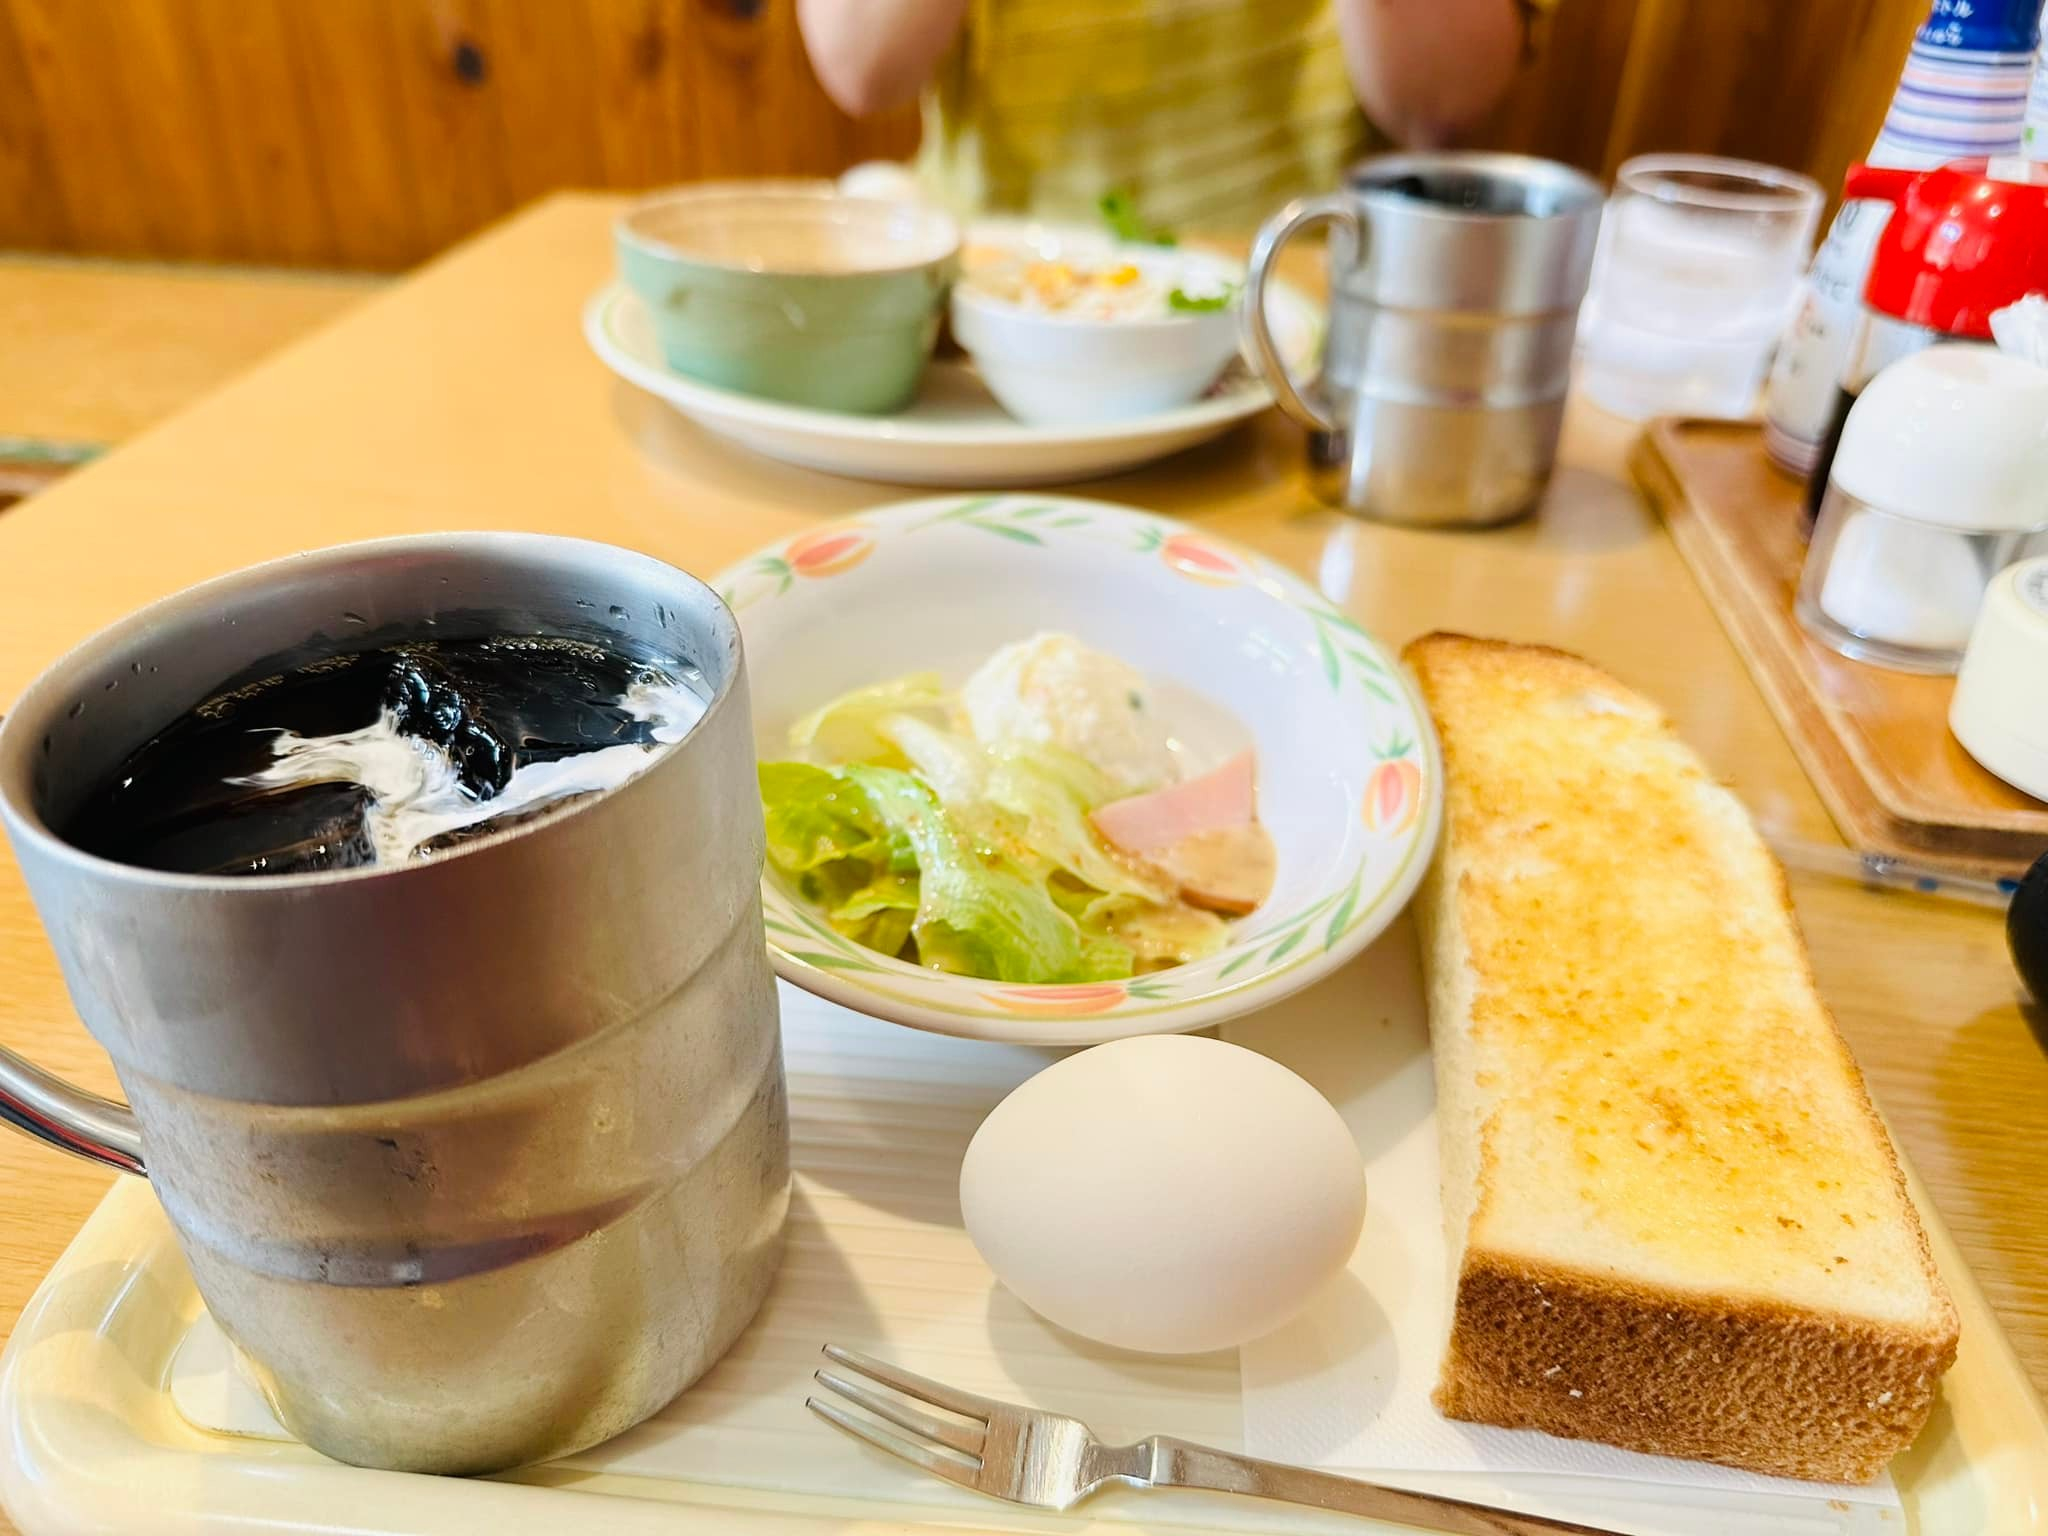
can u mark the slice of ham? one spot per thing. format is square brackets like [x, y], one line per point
[1203, 835]
[1226, 869]
[1146, 825]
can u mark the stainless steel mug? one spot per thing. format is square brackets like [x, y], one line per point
[1455, 282]
[481, 1158]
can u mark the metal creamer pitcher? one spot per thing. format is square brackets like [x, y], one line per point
[481, 1158]
[1455, 281]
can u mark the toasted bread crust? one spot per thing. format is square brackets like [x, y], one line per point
[1597, 1353]
[1769, 1388]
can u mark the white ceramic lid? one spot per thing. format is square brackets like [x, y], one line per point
[1956, 435]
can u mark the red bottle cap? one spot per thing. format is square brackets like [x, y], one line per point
[1960, 245]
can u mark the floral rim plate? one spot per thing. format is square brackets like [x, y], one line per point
[954, 433]
[1241, 652]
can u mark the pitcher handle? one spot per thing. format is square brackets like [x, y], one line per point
[46, 1107]
[1333, 208]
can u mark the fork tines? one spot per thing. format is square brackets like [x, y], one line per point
[948, 1447]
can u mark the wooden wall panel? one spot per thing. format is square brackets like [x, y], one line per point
[28, 182]
[647, 132]
[373, 133]
[545, 90]
[249, 76]
[450, 76]
[1877, 36]
[344, 64]
[1800, 85]
[175, 133]
[61, 44]
[752, 85]
[1560, 102]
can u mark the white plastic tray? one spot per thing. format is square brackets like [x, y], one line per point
[120, 1412]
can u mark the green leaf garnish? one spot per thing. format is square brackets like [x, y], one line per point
[1120, 213]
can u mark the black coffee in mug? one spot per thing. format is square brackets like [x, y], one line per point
[381, 755]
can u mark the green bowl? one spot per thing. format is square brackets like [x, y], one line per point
[792, 292]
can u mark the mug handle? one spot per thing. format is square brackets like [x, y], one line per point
[46, 1107]
[1334, 208]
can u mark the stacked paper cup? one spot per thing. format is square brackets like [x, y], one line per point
[1963, 93]
[2034, 137]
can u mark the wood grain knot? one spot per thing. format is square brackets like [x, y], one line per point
[649, 51]
[471, 67]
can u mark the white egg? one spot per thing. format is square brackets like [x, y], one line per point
[1169, 1193]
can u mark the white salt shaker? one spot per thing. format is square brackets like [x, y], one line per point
[1941, 478]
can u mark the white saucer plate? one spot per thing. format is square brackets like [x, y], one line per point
[954, 434]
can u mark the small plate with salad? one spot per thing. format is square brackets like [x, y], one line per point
[1055, 771]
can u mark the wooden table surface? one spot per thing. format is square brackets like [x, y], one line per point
[465, 398]
[97, 351]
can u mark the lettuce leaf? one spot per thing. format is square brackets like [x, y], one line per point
[1119, 209]
[1181, 301]
[843, 731]
[881, 913]
[1157, 934]
[955, 766]
[887, 892]
[1044, 794]
[887, 931]
[979, 914]
[1104, 957]
[815, 818]
[1052, 791]
[985, 860]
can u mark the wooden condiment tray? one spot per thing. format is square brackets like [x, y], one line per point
[1875, 742]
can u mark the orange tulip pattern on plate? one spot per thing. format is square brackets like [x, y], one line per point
[822, 552]
[1068, 1002]
[829, 550]
[1200, 561]
[1393, 796]
[1074, 1000]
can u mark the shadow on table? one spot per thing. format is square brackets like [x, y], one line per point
[1584, 512]
[2037, 1021]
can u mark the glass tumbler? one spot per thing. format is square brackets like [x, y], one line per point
[1698, 268]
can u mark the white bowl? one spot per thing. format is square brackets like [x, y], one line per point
[1241, 653]
[1060, 368]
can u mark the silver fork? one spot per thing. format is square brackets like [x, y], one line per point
[1048, 1460]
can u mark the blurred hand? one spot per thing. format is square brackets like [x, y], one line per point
[872, 55]
[1428, 70]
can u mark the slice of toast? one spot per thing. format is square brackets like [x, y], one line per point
[1676, 1223]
